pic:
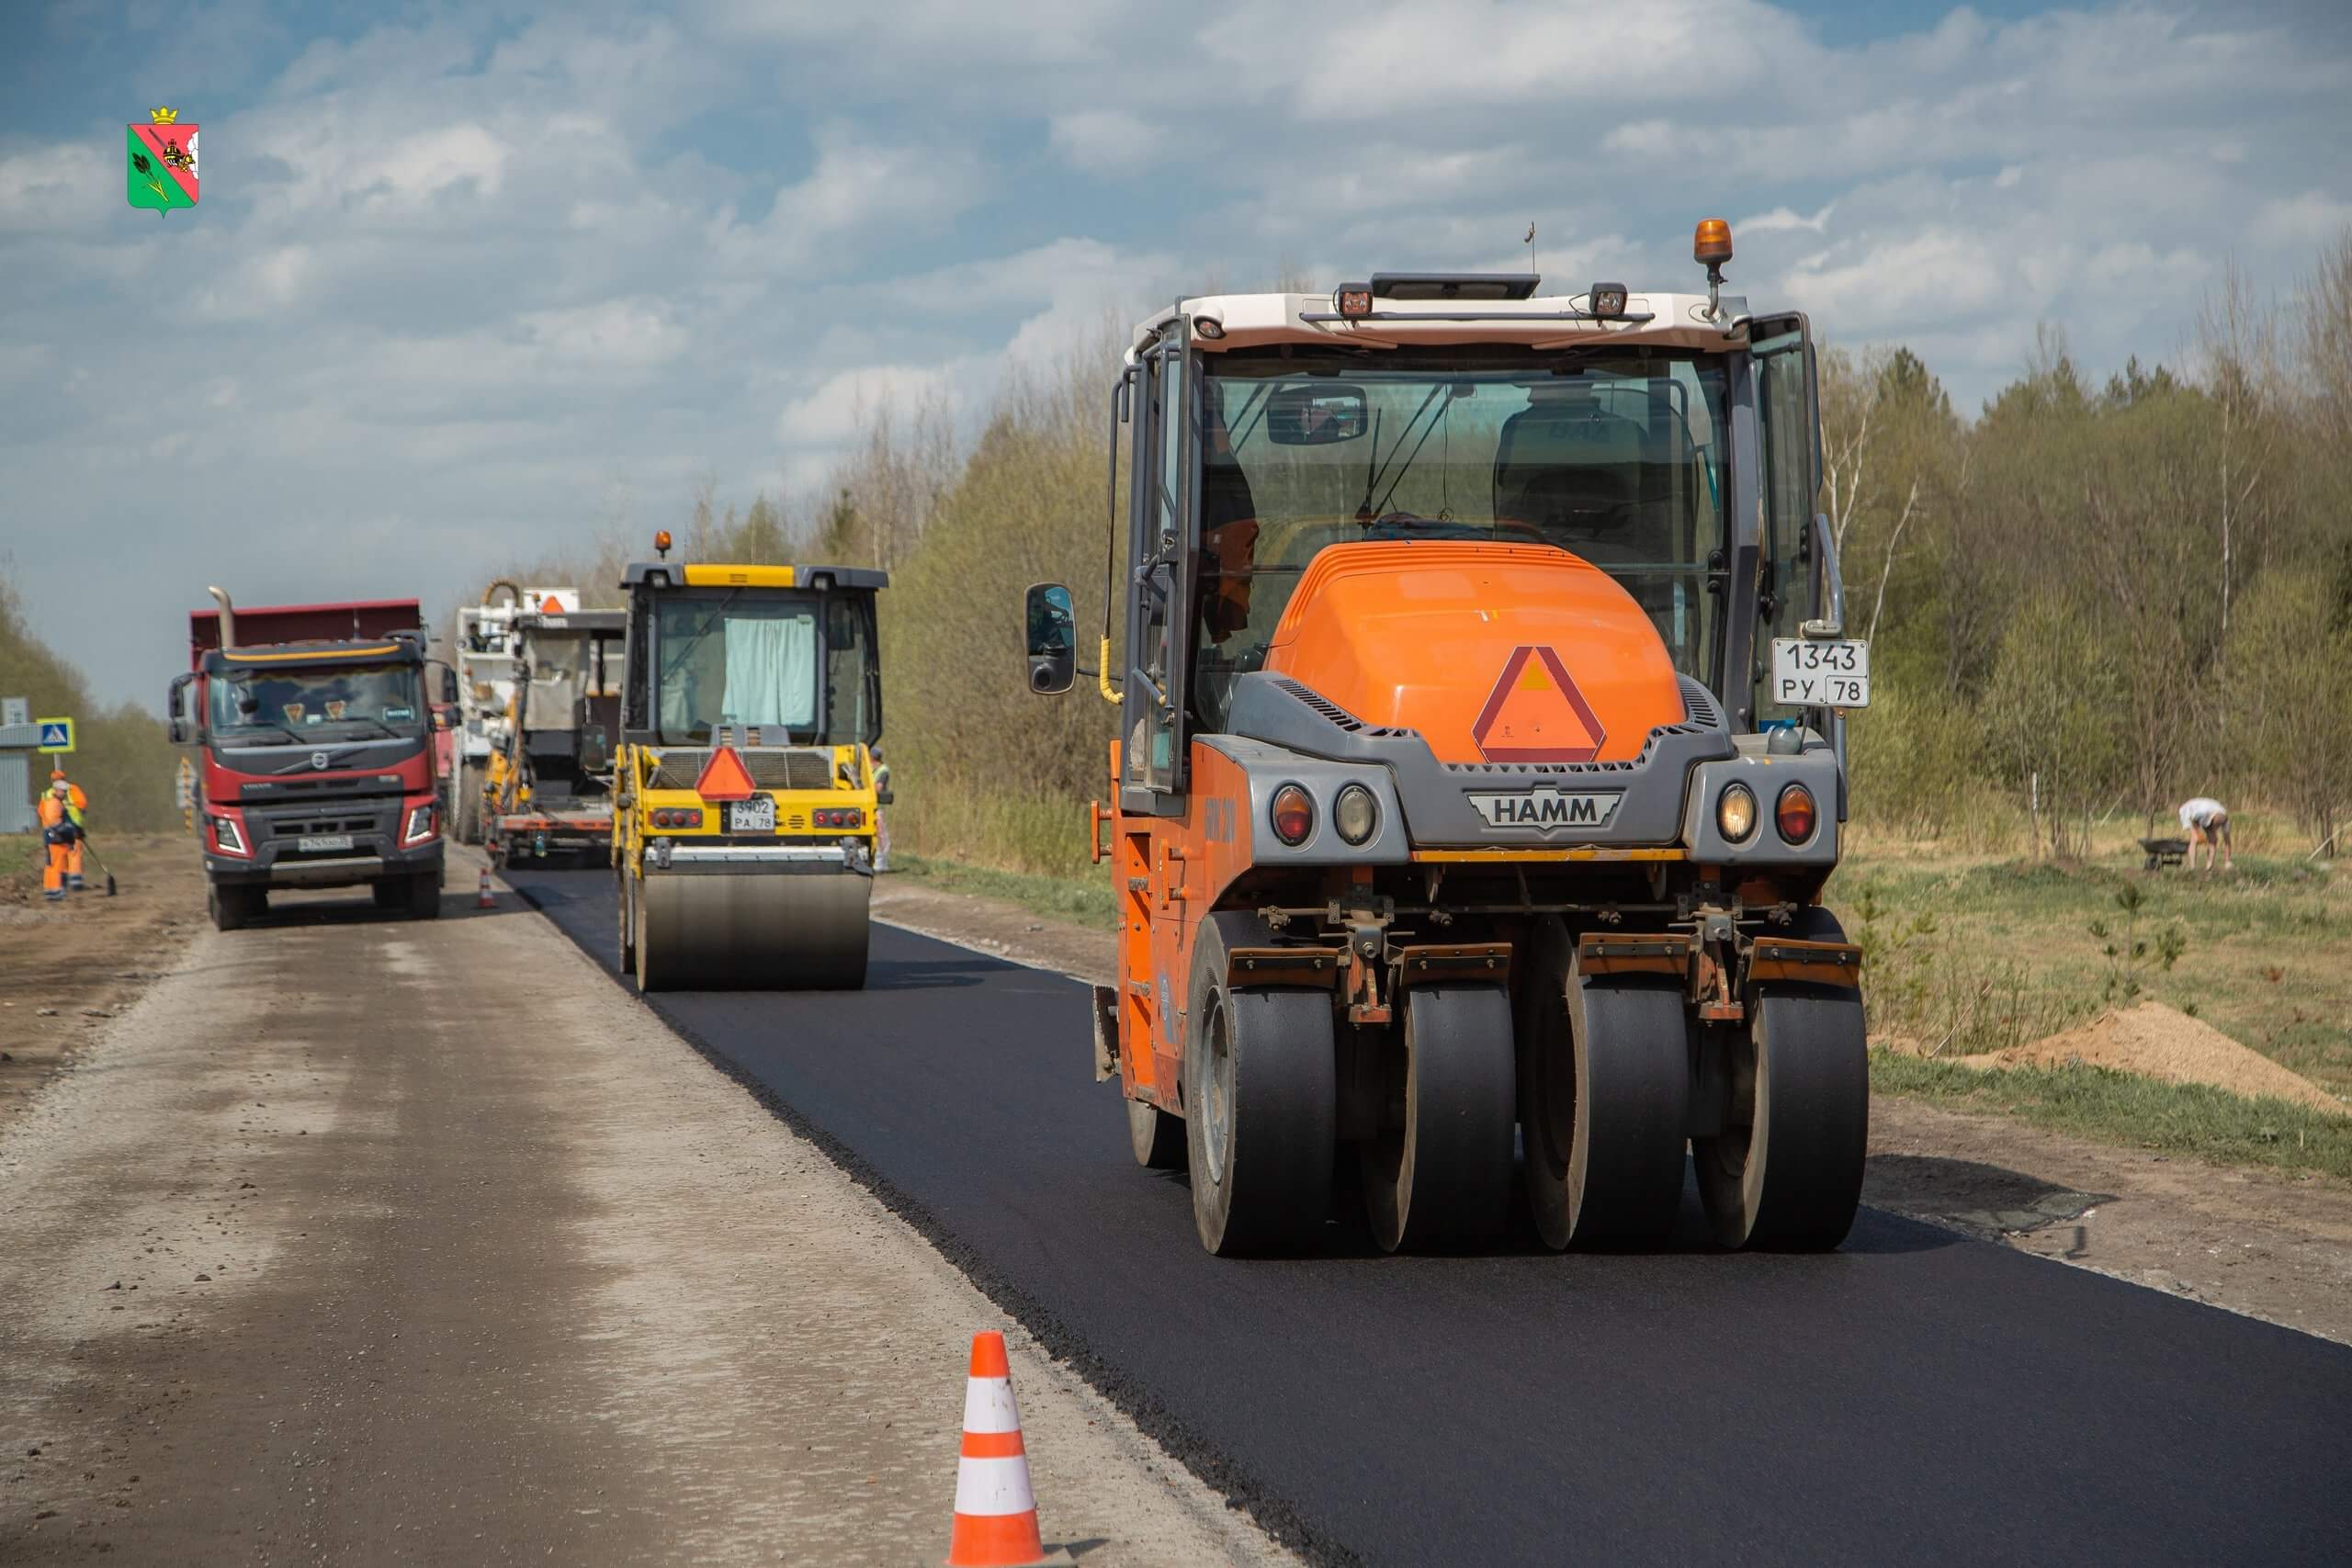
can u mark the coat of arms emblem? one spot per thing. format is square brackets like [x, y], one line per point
[161, 168]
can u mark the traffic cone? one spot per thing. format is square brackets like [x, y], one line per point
[996, 1513]
[483, 900]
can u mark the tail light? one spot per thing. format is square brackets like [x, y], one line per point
[1795, 814]
[845, 817]
[679, 816]
[1293, 814]
[1735, 813]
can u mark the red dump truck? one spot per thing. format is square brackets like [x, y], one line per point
[319, 765]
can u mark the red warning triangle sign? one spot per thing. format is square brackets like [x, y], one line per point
[1536, 715]
[551, 605]
[724, 777]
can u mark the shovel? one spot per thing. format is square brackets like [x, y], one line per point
[91, 850]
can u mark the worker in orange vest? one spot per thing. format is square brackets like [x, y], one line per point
[60, 829]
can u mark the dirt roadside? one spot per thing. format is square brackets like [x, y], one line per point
[2272, 1247]
[66, 968]
[360, 1241]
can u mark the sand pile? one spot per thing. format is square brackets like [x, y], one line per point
[2159, 1042]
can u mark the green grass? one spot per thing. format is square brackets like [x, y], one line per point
[2136, 1112]
[1976, 954]
[1080, 902]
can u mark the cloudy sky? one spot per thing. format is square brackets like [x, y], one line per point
[467, 281]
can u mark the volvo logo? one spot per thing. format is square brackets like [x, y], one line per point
[318, 759]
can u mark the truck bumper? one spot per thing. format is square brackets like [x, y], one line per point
[372, 856]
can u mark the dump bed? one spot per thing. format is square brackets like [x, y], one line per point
[356, 620]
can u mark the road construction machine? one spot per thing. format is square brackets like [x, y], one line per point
[549, 793]
[744, 785]
[485, 666]
[1479, 766]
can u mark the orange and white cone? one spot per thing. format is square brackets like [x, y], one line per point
[483, 900]
[996, 1513]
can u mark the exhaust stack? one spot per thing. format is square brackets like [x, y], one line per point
[227, 617]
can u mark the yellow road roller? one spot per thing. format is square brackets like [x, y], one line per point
[745, 788]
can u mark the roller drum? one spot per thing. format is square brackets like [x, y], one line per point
[746, 932]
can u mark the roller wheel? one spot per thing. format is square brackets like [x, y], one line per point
[1786, 1173]
[648, 947]
[626, 903]
[1156, 1138]
[1260, 1102]
[1604, 1098]
[1440, 1180]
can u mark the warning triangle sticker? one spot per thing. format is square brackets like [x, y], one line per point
[724, 777]
[1536, 715]
[550, 605]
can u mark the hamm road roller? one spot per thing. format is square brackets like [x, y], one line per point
[745, 787]
[1479, 763]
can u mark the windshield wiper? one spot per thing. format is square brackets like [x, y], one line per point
[1364, 508]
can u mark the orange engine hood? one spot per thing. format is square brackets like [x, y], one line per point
[1498, 653]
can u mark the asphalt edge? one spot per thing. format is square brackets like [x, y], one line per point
[1240, 1491]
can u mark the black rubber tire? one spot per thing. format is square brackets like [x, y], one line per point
[1604, 1103]
[1786, 1173]
[1260, 1102]
[390, 893]
[1441, 1182]
[1156, 1138]
[231, 907]
[424, 895]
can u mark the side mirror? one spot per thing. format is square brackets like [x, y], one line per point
[1053, 640]
[175, 708]
[1316, 415]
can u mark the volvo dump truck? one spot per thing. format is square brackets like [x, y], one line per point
[314, 725]
[1479, 765]
[745, 787]
[550, 790]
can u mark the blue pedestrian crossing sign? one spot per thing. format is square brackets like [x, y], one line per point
[56, 735]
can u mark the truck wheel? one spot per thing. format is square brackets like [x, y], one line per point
[627, 922]
[424, 897]
[1261, 1102]
[1441, 1181]
[1156, 1137]
[226, 905]
[1604, 1098]
[1786, 1172]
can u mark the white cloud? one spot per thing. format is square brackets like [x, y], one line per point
[1106, 140]
[829, 417]
[496, 263]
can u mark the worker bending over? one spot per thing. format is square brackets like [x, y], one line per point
[60, 831]
[2207, 822]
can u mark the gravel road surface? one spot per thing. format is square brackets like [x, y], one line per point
[360, 1240]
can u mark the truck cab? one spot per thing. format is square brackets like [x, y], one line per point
[317, 751]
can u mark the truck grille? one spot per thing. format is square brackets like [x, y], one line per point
[771, 768]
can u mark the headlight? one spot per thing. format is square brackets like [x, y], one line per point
[1794, 814]
[1735, 813]
[226, 837]
[1354, 814]
[420, 824]
[1292, 811]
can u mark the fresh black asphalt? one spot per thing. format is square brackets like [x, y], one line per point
[1914, 1397]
